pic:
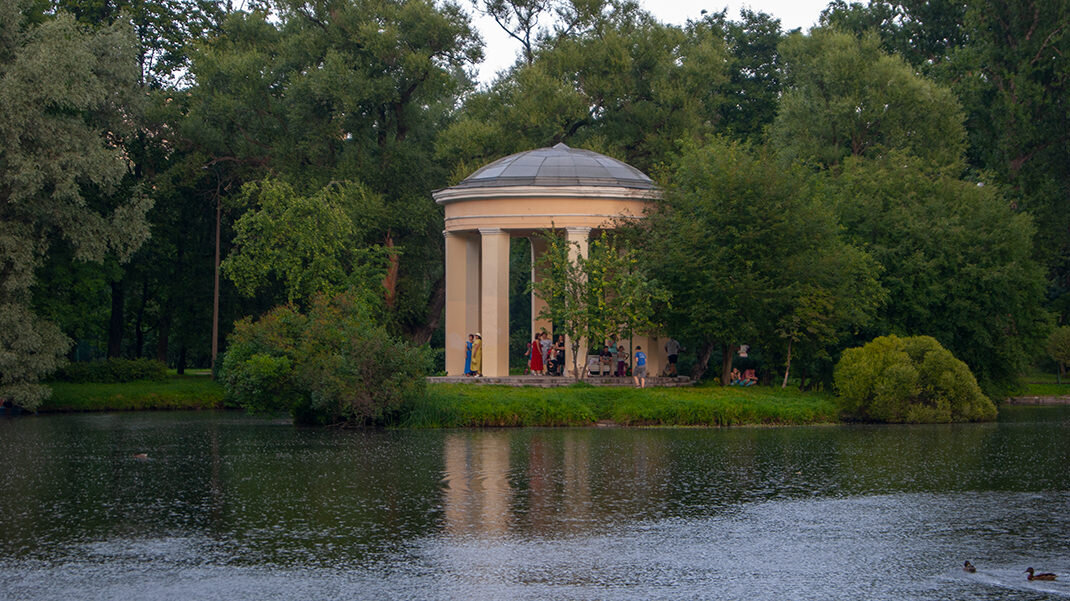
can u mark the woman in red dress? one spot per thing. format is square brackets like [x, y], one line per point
[535, 362]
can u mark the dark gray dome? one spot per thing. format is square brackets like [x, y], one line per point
[558, 166]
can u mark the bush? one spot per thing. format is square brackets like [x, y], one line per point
[1058, 347]
[333, 365]
[908, 380]
[113, 371]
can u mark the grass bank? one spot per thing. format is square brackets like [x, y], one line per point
[1042, 384]
[177, 392]
[464, 405]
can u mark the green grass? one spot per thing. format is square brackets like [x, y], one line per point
[177, 392]
[1039, 383]
[465, 405]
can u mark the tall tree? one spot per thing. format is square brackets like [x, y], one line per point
[751, 254]
[70, 104]
[354, 91]
[956, 262]
[845, 97]
[628, 87]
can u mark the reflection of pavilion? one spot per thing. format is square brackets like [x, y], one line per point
[574, 190]
[479, 497]
[560, 482]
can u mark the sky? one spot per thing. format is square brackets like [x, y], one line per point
[500, 49]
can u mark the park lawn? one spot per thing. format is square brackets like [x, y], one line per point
[466, 405]
[177, 392]
[1042, 384]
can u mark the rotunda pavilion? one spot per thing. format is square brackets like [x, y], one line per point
[578, 191]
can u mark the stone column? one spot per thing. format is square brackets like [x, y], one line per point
[656, 359]
[462, 297]
[538, 305]
[578, 242]
[494, 301]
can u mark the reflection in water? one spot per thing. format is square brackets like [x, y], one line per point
[230, 507]
[477, 494]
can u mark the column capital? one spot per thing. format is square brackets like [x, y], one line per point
[490, 231]
[586, 231]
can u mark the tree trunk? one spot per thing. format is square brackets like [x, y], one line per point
[115, 325]
[215, 288]
[702, 361]
[181, 360]
[390, 282]
[139, 334]
[163, 330]
[422, 334]
[728, 351]
[787, 366]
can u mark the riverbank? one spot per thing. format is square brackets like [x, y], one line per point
[176, 392]
[465, 406]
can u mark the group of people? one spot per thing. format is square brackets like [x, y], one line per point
[473, 355]
[747, 378]
[546, 357]
[613, 358]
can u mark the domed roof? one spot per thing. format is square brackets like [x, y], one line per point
[558, 166]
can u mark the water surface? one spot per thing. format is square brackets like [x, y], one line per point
[223, 506]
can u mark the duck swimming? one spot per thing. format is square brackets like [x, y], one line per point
[1043, 576]
[967, 566]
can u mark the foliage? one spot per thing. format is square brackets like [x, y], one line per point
[845, 97]
[1058, 347]
[1008, 64]
[70, 104]
[333, 364]
[956, 262]
[752, 254]
[310, 244]
[344, 91]
[912, 380]
[113, 371]
[750, 97]
[626, 86]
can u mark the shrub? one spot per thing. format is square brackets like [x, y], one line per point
[1058, 347]
[911, 380]
[336, 364]
[113, 371]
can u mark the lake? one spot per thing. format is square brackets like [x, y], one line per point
[219, 505]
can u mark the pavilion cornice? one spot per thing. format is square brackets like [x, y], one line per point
[450, 195]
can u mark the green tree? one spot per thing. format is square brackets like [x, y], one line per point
[70, 104]
[628, 87]
[751, 254]
[333, 364]
[308, 244]
[956, 261]
[1058, 347]
[591, 297]
[347, 91]
[748, 100]
[925, 33]
[913, 380]
[845, 97]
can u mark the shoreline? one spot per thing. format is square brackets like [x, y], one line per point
[490, 405]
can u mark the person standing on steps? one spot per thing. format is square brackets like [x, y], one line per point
[639, 376]
[672, 349]
[468, 355]
[477, 356]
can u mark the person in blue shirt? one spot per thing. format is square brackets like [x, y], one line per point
[639, 375]
[468, 355]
